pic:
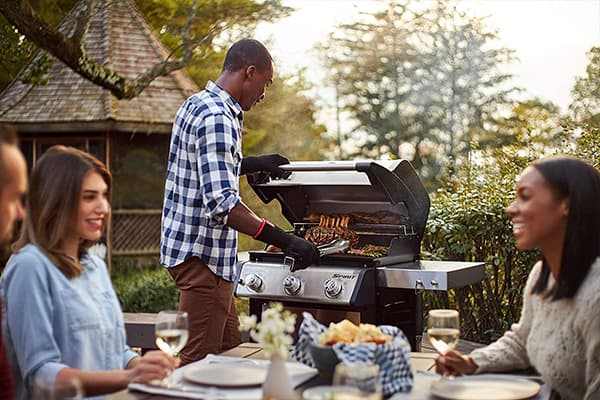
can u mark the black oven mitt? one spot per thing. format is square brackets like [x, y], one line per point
[304, 252]
[268, 163]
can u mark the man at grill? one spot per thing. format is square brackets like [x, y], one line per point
[202, 210]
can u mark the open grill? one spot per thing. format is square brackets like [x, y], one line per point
[360, 202]
[381, 209]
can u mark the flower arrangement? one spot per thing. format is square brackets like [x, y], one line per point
[274, 330]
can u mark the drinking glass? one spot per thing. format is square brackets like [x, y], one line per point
[360, 375]
[171, 332]
[443, 329]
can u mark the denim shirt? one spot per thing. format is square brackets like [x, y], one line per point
[50, 322]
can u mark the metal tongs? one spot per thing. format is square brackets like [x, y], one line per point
[333, 247]
[324, 250]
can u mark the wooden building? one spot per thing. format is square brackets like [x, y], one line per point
[130, 136]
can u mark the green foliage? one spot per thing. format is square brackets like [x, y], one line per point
[586, 92]
[212, 23]
[583, 142]
[16, 50]
[468, 223]
[143, 286]
[532, 121]
[216, 24]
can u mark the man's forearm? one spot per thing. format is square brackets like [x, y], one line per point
[242, 219]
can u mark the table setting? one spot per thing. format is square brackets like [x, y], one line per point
[351, 362]
[221, 377]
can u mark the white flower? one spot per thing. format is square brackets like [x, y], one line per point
[247, 322]
[273, 332]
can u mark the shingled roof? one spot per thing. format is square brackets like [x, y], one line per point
[120, 39]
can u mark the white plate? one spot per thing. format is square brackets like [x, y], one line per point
[225, 375]
[485, 387]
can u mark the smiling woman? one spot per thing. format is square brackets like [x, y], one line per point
[556, 210]
[71, 308]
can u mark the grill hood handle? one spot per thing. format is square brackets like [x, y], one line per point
[320, 166]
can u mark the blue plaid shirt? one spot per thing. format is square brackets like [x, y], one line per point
[202, 183]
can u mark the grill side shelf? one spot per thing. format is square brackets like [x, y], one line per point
[431, 275]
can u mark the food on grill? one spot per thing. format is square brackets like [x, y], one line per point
[379, 217]
[357, 217]
[347, 332]
[331, 228]
[369, 250]
[335, 227]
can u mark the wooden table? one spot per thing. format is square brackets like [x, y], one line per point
[419, 361]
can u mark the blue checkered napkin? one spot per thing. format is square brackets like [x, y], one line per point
[393, 358]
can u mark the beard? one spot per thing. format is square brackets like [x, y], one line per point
[5, 245]
[4, 253]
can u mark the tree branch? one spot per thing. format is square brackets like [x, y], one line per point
[70, 51]
[83, 21]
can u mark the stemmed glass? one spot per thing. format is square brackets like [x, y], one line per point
[171, 332]
[444, 329]
[359, 375]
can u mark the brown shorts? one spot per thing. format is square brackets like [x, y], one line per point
[208, 300]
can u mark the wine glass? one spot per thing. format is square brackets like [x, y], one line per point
[360, 375]
[443, 330]
[171, 332]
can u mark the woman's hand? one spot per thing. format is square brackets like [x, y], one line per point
[454, 363]
[153, 365]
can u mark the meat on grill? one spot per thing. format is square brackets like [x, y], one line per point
[369, 250]
[331, 228]
[358, 217]
[379, 217]
[334, 227]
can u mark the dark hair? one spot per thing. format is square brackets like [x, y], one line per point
[247, 52]
[578, 182]
[8, 137]
[53, 203]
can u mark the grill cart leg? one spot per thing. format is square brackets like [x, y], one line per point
[402, 308]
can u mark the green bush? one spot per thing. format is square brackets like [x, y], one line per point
[467, 222]
[144, 290]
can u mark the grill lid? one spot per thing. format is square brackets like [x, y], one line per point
[344, 187]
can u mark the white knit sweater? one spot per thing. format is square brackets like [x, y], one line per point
[560, 339]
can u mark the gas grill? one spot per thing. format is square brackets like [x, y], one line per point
[384, 206]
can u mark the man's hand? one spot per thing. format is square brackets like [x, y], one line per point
[304, 253]
[267, 163]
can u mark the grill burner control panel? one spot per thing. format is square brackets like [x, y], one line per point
[319, 284]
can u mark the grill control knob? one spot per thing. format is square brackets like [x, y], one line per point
[333, 288]
[291, 285]
[254, 282]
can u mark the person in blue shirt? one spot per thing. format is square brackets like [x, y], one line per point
[203, 211]
[62, 321]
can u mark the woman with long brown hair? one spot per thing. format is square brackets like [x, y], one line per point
[557, 211]
[62, 320]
